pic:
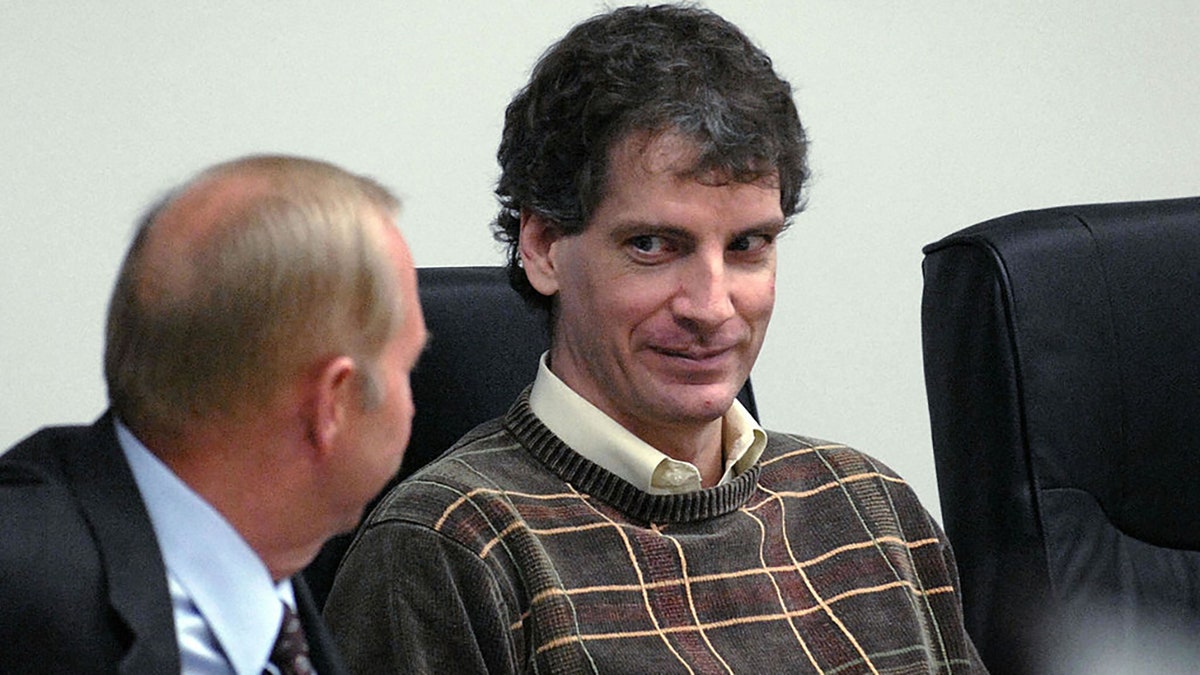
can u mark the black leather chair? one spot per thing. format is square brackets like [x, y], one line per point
[1062, 367]
[484, 345]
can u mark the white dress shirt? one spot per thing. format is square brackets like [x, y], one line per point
[602, 440]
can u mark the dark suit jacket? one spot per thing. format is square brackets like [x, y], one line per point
[83, 587]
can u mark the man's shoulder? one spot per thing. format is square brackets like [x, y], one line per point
[486, 449]
[794, 462]
[838, 479]
[36, 489]
[49, 564]
[50, 485]
[488, 461]
[39, 476]
[39, 460]
[81, 565]
[838, 457]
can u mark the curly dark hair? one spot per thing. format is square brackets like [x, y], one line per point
[666, 68]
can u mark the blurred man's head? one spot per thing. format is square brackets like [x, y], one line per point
[272, 297]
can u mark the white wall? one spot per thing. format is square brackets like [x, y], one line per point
[925, 117]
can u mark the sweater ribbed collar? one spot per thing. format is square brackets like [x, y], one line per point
[588, 477]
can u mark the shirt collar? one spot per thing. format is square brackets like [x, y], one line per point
[227, 582]
[600, 439]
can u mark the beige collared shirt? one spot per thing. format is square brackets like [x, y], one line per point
[602, 440]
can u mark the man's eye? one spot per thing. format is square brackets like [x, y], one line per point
[750, 243]
[648, 243]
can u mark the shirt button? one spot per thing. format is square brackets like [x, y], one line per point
[677, 475]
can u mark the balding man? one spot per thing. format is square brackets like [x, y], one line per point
[260, 337]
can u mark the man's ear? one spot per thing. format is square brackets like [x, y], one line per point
[333, 399]
[538, 236]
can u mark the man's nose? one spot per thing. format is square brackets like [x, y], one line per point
[704, 296]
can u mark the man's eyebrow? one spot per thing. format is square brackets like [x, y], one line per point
[634, 227]
[774, 225]
[630, 228]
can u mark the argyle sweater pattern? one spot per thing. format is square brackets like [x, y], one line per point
[514, 554]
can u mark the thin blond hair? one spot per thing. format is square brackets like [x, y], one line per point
[295, 273]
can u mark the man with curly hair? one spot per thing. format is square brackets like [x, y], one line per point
[628, 514]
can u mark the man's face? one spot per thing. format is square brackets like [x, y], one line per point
[383, 429]
[664, 298]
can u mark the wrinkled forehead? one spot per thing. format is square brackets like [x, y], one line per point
[645, 151]
[649, 152]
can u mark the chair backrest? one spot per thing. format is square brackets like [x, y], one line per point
[1062, 368]
[484, 345]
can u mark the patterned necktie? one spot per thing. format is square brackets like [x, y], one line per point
[290, 654]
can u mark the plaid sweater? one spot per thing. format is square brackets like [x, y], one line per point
[514, 554]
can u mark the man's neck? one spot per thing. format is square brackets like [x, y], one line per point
[628, 447]
[702, 447]
[229, 476]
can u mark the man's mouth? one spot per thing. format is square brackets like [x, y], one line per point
[693, 353]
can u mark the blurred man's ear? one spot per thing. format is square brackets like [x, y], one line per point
[538, 235]
[336, 395]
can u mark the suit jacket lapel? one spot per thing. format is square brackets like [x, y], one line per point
[322, 650]
[137, 577]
